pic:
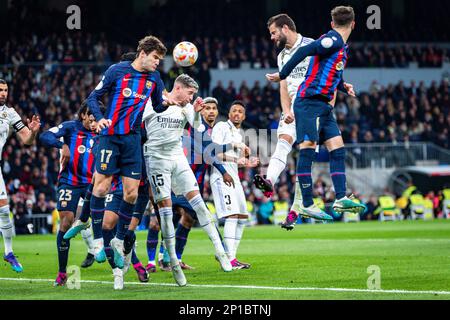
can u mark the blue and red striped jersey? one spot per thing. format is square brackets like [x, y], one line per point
[200, 152]
[80, 168]
[325, 72]
[128, 90]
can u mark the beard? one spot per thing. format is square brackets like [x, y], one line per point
[2, 101]
[282, 42]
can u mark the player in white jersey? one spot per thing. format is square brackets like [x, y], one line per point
[27, 134]
[230, 201]
[284, 33]
[168, 168]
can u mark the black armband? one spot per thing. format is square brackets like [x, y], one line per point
[19, 125]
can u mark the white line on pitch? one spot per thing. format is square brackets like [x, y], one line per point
[397, 291]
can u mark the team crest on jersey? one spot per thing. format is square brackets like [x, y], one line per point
[340, 66]
[81, 149]
[127, 92]
[103, 166]
[4, 115]
[148, 84]
[63, 204]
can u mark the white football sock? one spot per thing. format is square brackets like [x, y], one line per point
[229, 234]
[298, 198]
[239, 231]
[6, 227]
[168, 232]
[206, 222]
[88, 239]
[278, 160]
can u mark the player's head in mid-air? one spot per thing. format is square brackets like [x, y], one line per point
[184, 89]
[87, 118]
[150, 52]
[343, 18]
[283, 31]
[237, 113]
[3, 92]
[211, 110]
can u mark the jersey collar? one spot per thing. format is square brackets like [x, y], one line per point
[231, 124]
[296, 44]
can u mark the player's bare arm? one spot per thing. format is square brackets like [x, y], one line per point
[28, 134]
[286, 103]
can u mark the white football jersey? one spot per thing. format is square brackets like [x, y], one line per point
[297, 76]
[225, 133]
[8, 118]
[165, 130]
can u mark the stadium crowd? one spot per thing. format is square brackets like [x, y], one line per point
[223, 53]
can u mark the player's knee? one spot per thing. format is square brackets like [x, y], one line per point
[66, 222]
[187, 221]
[130, 195]
[308, 145]
[287, 138]
[338, 154]
[101, 190]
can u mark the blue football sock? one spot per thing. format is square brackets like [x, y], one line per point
[108, 235]
[97, 212]
[86, 209]
[337, 171]
[304, 167]
[152, 243]
[125, 214]
[63, 247]
[134, 258]
[181, 236]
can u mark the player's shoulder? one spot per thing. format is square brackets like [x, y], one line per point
[306, 41]
[221, 125]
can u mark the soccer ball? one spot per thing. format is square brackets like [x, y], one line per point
[185, 54]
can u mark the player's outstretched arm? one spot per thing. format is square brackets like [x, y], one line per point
[92, 101]
[286, 103]
[29, 132]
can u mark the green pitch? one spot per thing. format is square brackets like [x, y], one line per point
[322, 261]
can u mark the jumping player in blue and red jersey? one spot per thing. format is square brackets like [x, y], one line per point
[76, 141]
[129, 84]
[314, 110]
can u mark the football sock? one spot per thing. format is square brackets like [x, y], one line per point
[278, 160]
[239, 231]
[86, 209]
[337, 171]
[97, 212]
[88, 239]
[298, 199]
[134, 258]
[304, 166]
[168, 232]
[6, 228]
[181, 236]
[229, 234]
[206, 222]
[108, 235]
[152, 243]
[63, 246]
[125, 214]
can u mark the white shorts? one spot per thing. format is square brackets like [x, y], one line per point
[167, 175]
[289, 129]
[3, 194]
[228, 200]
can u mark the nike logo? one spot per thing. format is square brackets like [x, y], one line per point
[135, 174]
[126, 79]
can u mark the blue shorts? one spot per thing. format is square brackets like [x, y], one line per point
[113, 201]
[315, 120]
[69, 197]
[181, 202]
[119, 155]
